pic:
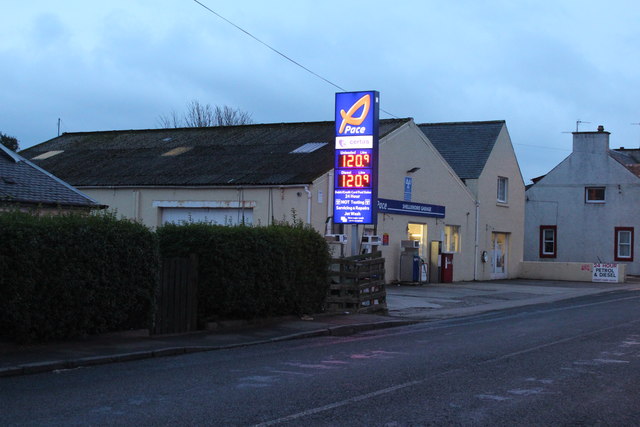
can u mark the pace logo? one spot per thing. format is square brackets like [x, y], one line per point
[351, 124]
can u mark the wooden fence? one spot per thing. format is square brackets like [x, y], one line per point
[177, 300]
[357, 284]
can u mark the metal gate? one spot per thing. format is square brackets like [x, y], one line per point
[177, 299]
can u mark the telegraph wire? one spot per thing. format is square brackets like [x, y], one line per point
[278, 52]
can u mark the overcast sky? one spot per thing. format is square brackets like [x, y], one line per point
[540, 65]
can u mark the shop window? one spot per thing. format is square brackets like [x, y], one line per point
[503, 189]
[451, 238]
[624, 244]
[548, 241]
[594, 194]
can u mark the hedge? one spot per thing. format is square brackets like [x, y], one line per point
[72, 275]
[252, 272]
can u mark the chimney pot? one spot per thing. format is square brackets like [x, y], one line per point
[600, 128]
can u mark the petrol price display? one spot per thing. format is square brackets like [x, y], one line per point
[360, 179]
[355, 163]
[359, 160]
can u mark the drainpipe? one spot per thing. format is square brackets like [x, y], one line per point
[475, 256]
[306, 190]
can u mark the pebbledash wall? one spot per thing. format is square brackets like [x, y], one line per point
[470, 206]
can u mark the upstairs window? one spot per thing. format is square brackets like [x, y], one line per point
[548, 241]
[594, 194]
[503, 189]
[451, 238]
[624, 244]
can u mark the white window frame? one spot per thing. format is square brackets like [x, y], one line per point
[503, 189]
[587, 199]
[544, 240]
[451, 238]
[628, 244]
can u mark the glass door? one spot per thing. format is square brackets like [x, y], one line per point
[499, 255]
[419, 232]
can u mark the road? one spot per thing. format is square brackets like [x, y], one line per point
[574, 362]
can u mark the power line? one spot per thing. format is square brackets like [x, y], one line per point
[278, 52]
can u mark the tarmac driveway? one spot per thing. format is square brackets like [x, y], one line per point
[437, 301]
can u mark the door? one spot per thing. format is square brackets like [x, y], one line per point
[418, 232]
[499, 248]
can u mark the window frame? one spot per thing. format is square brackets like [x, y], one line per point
[447, 238]
[505, 198]
[595, 201]
[542, 253]
[616, 248]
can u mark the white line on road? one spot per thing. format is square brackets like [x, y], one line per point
[394, 388]
[341, 403]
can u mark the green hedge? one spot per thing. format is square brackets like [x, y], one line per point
[252, 272]
[72, 275]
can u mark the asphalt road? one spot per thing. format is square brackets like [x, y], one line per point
[574, 362]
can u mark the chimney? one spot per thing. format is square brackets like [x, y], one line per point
[591, 142]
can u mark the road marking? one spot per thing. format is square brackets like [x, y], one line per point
[562, 341]
[340, 403]
[392, 389]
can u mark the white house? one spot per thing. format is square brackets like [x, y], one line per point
[586, 208]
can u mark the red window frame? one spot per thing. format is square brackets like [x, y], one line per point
[615, 247]
[543, 228]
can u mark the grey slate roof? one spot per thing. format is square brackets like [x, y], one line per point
[23, 183]
[628, 157]
[466, 146]
[211, 156]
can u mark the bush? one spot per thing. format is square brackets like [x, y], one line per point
[72, 275]
[252, 272]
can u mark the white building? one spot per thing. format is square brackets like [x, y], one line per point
[456, 183]
[586, 208]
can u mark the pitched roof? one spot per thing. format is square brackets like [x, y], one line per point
[466, 146]
[628, 157]
[262, 154]
[22, 182]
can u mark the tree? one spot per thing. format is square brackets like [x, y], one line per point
[9, 141]
[199, 115]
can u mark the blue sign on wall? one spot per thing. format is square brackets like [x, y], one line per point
[356, 158]
[410, 208]
[408, 184]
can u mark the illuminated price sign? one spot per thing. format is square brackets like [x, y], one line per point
[356, 151]
[354, 159]
[351, 179]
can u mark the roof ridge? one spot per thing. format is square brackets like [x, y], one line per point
[476, 122]
[193, 128]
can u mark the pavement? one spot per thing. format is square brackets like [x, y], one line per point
[405, 305]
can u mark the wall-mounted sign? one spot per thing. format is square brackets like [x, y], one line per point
[410, 208]
[408, 184]
[356, 158]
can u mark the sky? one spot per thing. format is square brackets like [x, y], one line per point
[540, 65]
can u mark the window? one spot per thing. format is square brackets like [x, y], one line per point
[548, 241]
[624, 244]
[503, 184]
[594, 194]
[451, 238]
